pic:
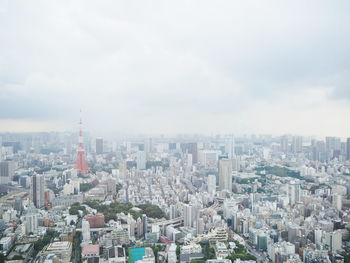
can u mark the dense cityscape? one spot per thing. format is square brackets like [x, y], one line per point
[187, 131]
[66, 197]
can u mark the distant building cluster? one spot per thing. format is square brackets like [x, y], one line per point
[66, 197]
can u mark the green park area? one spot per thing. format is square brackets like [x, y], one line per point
[277, 171]
[111, 210]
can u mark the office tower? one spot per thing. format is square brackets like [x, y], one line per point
[293, 192]
[24, 181]
[81, 164]
[230, 147]
[30, 222]
[284, 144]
[141, 160]
[139, 227]
[149, 146]
[193, 149]
[337, 201]
[172, 212]
[144, 224]
[319, 151]
[236, 163]
[297, 144]
[189, 160]
[99, 145]
[37, 190]
[18, 206]
[262, 241]
[333, 146]
[318, 236]
[332, 143]
[211, 184]
[225, 175]
[293, 233]
[188, 215]
[208, 158]
[200, 226]
[336, 240]
[85, 228]
[0, 148]
[6, 171]
[348, 149]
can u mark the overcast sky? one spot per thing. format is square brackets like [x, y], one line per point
[176, 66]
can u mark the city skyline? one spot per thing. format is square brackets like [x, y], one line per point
[189, 131]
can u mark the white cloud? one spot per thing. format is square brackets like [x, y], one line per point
[183, 66]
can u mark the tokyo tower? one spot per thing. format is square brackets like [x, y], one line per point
[81, 164]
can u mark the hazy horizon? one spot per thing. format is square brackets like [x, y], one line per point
[181, 67]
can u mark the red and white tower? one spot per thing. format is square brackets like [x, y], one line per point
[81, 164]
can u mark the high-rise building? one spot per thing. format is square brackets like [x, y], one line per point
[37, 190]
[337, 201]
[208, 158]
[193, 149]
[172, 212]
[336, 240]
[141, 160]
[284, 144]
[230, 147]
[148, 146]
[6, 171]
[297, 144]
[211, 184]
[225, 175]
[144, 224]
[99, 145]
[187, 215]
[293, 192]
[30, 222]
[333, 146]
[189, 160]
[190, 215]
[85, 228]
[0, 148]
[348, 149]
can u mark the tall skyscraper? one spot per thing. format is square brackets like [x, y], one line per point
[172, 212]
[6, 171]
[188, 215]
[293, 192]
[208, 158]
[297, 144]
[148, 145]
[336, 240]
[333, 146]
[0, 148]
[144, 224]
[99, 145]
[284, 144]
[230, 147]
[225, 175]
[348, 149]
[211, 184]
[37, 190]
[193, 149]
[141, 160]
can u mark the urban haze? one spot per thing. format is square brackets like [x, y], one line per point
[174, 131]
